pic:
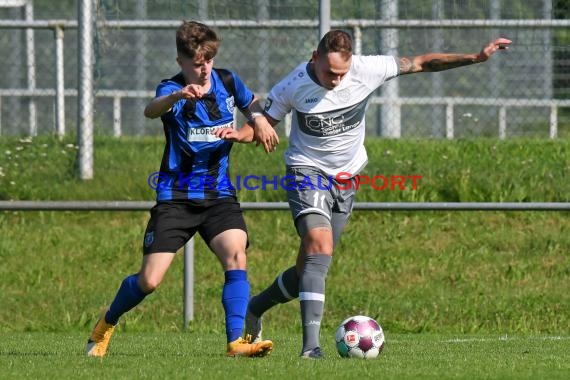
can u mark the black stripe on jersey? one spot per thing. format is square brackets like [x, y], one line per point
[186, 165]
[213, 169]
[164, 163]
[186, 161]
[231, 189]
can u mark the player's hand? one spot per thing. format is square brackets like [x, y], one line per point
[242, 135]
[228, 134]
[265, 135]
[489, 50]
[191, 91]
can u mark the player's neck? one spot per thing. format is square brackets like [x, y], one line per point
[311, 72]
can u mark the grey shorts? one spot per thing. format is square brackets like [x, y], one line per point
[310, 191]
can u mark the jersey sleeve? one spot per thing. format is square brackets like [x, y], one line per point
[243, 96]
[278, 103]
[166, 88]
[375, 69]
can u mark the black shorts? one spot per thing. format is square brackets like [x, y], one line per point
[172, 224]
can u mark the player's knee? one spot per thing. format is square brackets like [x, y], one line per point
[318, 242]
[234, 260]
[149, 284]
[316, 233]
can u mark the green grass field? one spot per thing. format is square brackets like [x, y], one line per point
[459, 294]
[198, 356]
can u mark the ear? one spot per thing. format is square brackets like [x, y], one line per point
[179, 61]
[314, 56]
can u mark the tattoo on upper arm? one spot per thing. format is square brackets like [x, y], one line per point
[434, 62]
[434, 65]
[448, 61]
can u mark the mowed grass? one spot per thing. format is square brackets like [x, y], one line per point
[459, 294]
[200, 356]
[469, 272]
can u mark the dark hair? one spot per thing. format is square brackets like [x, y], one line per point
[335, 41]
[194, 39]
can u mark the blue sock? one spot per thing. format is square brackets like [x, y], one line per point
[128, 296]
[235, 297]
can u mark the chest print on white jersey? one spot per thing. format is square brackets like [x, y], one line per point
[343, 95]
[332, 123]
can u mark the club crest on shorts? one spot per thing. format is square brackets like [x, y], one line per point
[148, 238]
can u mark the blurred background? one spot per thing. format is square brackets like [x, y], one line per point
[521, 92]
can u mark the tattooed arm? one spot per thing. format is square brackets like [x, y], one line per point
[441, 61]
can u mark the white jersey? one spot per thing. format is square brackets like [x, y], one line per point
[327, 126]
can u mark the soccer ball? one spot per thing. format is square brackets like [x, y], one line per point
[359, 337]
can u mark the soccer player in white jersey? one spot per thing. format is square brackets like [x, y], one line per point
[328, 97]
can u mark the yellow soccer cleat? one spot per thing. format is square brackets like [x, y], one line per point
[243, 347]
[100, 337]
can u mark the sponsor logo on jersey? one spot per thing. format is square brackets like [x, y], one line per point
[311, 100]
[205, 134]
[332, 123]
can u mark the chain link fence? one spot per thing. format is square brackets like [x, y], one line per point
[521, 92]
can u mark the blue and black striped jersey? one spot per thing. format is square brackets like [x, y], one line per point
[195, 163]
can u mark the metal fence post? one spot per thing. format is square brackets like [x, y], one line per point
[324, 17]
[553, 122]
[31, 64]
[390, 113]
[59, 83]
[188, 282]
[85, 91]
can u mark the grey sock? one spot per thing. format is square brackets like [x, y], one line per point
[312, 297]
[284, 289]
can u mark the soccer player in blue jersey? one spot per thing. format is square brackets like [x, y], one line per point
[193, 191]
